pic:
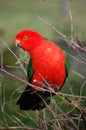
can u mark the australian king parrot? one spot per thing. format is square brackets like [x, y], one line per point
[47, 69]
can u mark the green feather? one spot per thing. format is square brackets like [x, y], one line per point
[67, 63]
[30, 70]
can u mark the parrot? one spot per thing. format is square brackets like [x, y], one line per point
[47, 69]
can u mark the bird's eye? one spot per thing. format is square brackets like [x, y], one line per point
[25, 37]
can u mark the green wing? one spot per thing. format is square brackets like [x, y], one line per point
[30, 70]
[67, 64]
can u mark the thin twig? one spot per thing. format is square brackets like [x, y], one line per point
[40, 89]
[83, 77]
[2, 89]
[77, 59]
[70, 41]
[83, 85]
[71, 21]
[52, 26]
[21, 65]
[18, 127]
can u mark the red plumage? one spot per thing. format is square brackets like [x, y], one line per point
[48, 61]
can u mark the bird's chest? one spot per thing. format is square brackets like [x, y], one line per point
[46, 62]
[41, 65]
[49, 64]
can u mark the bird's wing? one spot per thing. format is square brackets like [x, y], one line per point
[67, 64]
[30, 71]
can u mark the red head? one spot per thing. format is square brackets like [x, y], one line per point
[28, 39]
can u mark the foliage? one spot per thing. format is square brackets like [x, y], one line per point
[67, 110]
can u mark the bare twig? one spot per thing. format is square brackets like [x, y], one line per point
[18, 127]
[71, 21]
[83, 85]
[52, 26]
[83, 77]
[70, 41]
[18, 60]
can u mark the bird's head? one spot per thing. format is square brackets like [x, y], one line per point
[28, 40]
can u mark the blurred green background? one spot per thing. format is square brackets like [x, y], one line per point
[17, 15]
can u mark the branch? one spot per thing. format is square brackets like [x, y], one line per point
[19, 62]
[70, 41]
[17, 127]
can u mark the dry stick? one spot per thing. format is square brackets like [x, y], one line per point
[30, 117]
[40, 89]
[77, 45]
[71, 21]
[25, 81]
[16, 128]
[79, 108]
[30, 84]
[50, 109]
[61, 112]
[1, 73]
[21, 65]
[83, 77]
[2, 90]
[65, 115]
[81, 89]
[22, 80]
[52, 26]
[76, 59]
[18, 122]
[67, 118]
[69, 41]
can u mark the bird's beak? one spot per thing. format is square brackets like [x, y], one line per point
[18, 43]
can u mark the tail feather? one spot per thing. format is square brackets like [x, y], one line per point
[30, 100]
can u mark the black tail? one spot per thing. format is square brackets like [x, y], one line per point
[31, 100]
